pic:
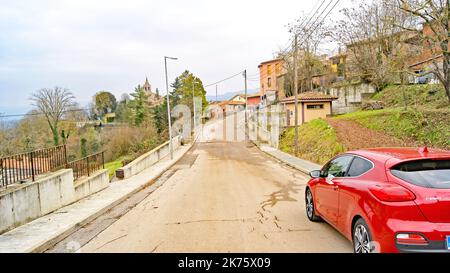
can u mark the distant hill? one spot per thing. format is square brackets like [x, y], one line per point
[229, 95]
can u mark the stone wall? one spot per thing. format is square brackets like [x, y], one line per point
[350, 97]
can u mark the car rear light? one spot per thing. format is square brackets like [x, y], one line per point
[392, 193]
[411, 239]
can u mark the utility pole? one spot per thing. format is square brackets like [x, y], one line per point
[246, 114]
[193, 103]
[296, 96]
[216, 94]
[168, 106]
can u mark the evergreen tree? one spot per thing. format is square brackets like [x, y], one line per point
[139, 105]
[181, 94]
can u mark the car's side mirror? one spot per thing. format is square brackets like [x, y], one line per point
[315, 174]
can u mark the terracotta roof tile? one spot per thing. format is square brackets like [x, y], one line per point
[235, 103]
[311, 96]
[254, 95]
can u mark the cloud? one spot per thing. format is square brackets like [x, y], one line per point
[89, 46]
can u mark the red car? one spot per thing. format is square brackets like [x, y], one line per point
[385, 199]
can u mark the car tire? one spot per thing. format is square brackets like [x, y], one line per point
[362, 237]
[310, 208]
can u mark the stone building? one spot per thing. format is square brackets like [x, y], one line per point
[153, 98]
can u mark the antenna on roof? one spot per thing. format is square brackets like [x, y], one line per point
[424, 149]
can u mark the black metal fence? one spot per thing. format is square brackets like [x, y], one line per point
[22, 167]
[26, 166]
[88, 165]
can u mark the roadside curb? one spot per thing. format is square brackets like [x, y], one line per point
[73, 227]
[297, 163]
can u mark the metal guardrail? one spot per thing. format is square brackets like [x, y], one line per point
[22, 167]
[88, 165]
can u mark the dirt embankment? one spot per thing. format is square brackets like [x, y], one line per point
[354, 136]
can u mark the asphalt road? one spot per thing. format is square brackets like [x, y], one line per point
[221, 197]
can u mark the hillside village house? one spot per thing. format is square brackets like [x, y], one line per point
[311, 105]
[213, 110]
[254, 100]
[235, 104]
[425, 56]
[346, 97]
[269, 72]
[420, 55]
[338, 63]
[238, 98]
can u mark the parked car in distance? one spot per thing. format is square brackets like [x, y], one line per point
[385, 199]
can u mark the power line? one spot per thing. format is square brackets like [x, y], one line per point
[316, 22]
[40, 113]
[228, 78]
[323, 2]
[309, 17]
[323, 19]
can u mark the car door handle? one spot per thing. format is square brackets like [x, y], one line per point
[336, 187]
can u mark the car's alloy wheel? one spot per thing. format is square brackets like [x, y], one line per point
[310, 210]
[362, 240]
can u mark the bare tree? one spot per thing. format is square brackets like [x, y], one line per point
[374, 35]
[433, 29]
[53, 103]
[308, 63]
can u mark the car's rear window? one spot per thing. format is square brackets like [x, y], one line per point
[425, 173]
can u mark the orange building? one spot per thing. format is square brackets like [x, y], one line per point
[269, 72]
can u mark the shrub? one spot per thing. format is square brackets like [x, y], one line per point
[128, 142]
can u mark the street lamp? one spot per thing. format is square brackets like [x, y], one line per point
[193, 103]
[168, 106]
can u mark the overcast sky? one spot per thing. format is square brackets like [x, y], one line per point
[88, 46]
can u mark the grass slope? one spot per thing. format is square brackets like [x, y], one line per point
[426, 121]
[426, 127]
[317, 141]
[429, 96]
[113, 166]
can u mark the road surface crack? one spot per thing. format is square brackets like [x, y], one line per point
[110, 241]
[156, 247]
[213, 220]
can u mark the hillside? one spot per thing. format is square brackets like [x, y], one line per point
[317, 141]
[414, 126]
[425, 121]
[430, 96]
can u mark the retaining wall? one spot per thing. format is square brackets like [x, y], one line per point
[92, 184]
[27, 202]
[148, 159]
